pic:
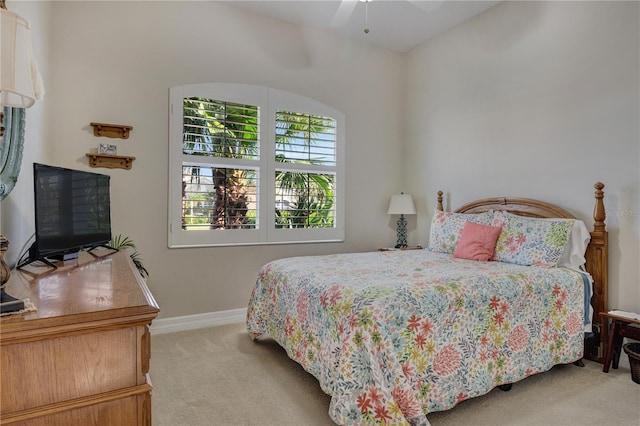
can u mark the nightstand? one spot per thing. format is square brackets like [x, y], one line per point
[623, 324]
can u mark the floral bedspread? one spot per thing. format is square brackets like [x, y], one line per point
[395, 335]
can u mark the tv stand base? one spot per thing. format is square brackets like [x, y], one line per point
[66, 256]
[30, 261]
[33, 256]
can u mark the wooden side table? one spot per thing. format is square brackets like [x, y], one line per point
[621, 326]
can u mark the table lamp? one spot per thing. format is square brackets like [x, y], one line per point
[20, 86]
[402, 204]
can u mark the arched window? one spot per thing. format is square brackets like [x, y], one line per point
[253, 165]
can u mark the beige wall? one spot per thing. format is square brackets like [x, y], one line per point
[539, 100]
[114, 62]
[536, 99]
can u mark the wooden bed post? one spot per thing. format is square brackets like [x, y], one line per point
[597, 265]
[440, 201]
[599, 213]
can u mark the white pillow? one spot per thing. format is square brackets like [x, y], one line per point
[573, 255]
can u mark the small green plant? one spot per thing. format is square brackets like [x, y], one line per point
[122, 242]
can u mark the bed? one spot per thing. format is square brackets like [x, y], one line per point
[394, 335]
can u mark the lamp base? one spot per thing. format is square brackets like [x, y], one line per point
[9, 303]
[402, 232]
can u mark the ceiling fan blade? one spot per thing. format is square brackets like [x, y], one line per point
[427, 5]
[343, 13]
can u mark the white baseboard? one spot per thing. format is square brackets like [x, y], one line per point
[192, 322]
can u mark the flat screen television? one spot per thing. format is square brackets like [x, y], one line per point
[72, 213]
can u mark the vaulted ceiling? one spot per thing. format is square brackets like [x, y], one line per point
[397, 25]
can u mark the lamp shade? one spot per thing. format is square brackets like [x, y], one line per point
[20, 82]
[402, 204]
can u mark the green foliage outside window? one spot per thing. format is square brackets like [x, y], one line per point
[225, 198]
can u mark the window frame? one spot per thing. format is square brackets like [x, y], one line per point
[268, 101]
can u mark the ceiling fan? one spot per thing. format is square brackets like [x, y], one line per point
[346, 8]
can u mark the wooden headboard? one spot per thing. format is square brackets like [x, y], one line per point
[596, 255]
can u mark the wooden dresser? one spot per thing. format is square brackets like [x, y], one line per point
[83, 357]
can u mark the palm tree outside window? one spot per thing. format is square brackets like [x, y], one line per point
[240, 160]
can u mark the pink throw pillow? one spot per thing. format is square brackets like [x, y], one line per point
[477, 242]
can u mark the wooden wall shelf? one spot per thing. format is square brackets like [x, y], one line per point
[111, 161]
[111, 130]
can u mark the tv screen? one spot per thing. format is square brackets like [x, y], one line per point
[72, 211]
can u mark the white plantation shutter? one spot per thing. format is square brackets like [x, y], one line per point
[209, 128]
[305, 153]
[252, 165]
[305, 138]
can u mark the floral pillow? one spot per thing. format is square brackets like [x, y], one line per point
[574, 251]
[531, 241]
[446, 228]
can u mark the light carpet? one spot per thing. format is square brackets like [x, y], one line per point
[219, 376]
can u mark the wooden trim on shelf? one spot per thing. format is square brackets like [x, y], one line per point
[110, 161]
[111, 130]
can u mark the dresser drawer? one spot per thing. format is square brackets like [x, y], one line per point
[126, 411]
[49, 371]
